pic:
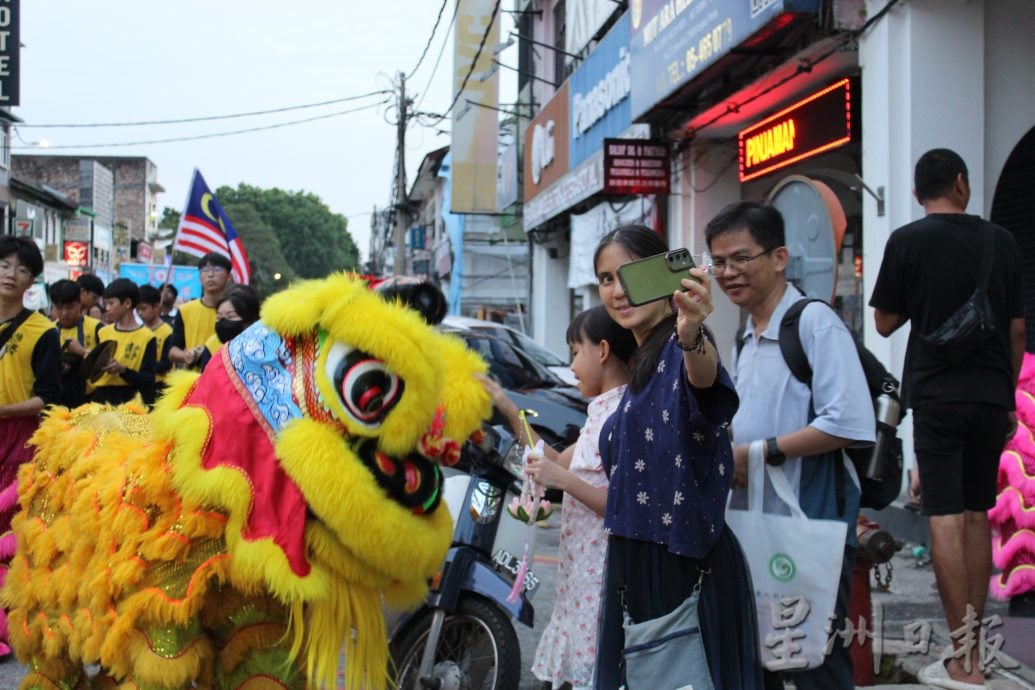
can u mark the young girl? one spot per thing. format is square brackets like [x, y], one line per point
[600, 351]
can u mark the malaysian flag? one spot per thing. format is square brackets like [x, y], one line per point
[205, 228]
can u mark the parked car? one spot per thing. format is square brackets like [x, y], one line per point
[557, 410]
[537, 352]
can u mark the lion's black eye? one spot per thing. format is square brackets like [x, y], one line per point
[365, 385]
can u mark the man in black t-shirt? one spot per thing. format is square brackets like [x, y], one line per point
[963, 414]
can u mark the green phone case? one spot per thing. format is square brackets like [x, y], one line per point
[656, 277]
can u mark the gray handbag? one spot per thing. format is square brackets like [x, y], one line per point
[667, 653]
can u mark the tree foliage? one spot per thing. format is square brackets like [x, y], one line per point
[313, 240]
[170, 218]
[264, 252]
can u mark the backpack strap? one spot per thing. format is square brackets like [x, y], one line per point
[794, 356]
[741, 338]
[12, 326]
[790, 341]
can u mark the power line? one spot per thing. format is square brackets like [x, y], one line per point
[470, 71]
[434, 69]
[212, 117]
[430, 39]
[208, 136]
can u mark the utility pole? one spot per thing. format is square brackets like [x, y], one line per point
[399, 267]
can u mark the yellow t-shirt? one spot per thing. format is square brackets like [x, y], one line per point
[18, 380]
[90, 328]
[199, 323]
[130, 347]
[161, 334]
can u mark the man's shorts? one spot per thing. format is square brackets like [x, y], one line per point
[957, 449]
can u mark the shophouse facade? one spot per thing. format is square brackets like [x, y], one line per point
[823, 107]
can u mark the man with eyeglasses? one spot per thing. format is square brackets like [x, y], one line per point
[803, 429]
[30, 360]
[196, 321]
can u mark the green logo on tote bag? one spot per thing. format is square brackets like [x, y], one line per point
[781, 567]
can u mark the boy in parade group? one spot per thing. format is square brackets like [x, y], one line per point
[91, 292]
[169, 310]
[30, 359]
[149, 310]
[132, 369]
[196, 321]
[78, 334]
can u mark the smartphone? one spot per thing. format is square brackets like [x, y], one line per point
[656, 277]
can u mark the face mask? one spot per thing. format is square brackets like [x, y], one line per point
[227, 330]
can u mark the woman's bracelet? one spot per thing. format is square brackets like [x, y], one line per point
[697, 346]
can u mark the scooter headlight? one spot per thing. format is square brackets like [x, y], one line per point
[511, 461]
[485, 503]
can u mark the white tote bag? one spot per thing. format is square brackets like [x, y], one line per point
[795, 565]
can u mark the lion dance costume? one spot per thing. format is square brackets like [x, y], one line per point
[246, 533]
[1013, 517]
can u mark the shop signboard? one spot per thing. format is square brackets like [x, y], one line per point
[77, 253]
[673, 41]
[582, 21]
[77, 229]
[546, 145]
[10, 47]
[584, 180]
[600, 90]
[507, 181]
[185, 278]
[817, 123]
[475, 129]
[634, 166]
[23, 227]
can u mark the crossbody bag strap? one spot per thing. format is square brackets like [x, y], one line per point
[13, 325]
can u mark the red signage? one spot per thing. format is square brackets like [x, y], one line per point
[77, 253]
[145, 253]
[636, 166]
[813, 125]
[546, 145]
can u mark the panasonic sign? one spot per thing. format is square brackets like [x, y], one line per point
[601, 93]
[590, 108]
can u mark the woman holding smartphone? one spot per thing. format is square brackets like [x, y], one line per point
[670, 462]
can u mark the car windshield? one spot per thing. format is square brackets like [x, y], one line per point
[535, 350]
[508, 365]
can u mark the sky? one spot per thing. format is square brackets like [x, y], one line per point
[140, 60]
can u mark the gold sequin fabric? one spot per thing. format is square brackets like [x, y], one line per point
[114, 560]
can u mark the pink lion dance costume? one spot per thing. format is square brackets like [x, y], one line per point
[1013, 517]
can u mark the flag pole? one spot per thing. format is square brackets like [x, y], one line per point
[176, 235]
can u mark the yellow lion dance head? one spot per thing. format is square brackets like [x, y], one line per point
[320, 429]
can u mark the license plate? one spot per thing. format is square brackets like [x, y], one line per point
[509, 563]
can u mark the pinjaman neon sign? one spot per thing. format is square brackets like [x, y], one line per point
[813, 125]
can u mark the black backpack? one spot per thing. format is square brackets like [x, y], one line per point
[877, 492]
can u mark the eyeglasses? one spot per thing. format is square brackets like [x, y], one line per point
[739, 262]
[15, 269]
[212, 269]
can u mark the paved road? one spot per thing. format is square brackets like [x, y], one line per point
[545, 566]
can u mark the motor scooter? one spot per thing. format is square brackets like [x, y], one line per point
[463, 636]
